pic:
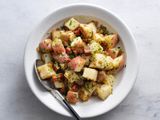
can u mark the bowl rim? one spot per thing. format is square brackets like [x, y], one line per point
[99, 8]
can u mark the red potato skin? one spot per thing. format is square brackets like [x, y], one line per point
[78, 51]
[122, 63]
[58, 49]
[111, 53]
[75, 62]
[101, 76]
[45, 45]
[61, 59]
[77, 32]
[71, 97]
[78, 48]
[115, 40]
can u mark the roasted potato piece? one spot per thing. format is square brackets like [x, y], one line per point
[92, 26]
[101, 61]
[71, 76]
[72, 24]
[67, 37]
[109, 80]
[90, 86]
[45, 45]
[72, 97]
[119, 62]
[86, 31]
[98, 37]
[77, 45]
[111, 40]
[114, 52]
[61, 58]
[84, 95]
[101, 76]
[103, 91]
[57, 46]
[77, 64]
[95, 47]
[90, 74]
[46, 71]
[56, 34]
[105, 78]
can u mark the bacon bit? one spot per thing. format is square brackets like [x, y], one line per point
[68, 50]
[60, 75]
[104, 45]
[77, 32]
[54, 78]
[55, 68]
[75, 88]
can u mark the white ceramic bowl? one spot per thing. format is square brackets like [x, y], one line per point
[125, 79]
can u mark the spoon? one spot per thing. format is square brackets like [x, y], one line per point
[55, 92]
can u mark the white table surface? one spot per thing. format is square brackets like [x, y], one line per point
[17, 19]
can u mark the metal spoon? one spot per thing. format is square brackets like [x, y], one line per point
[55, 92]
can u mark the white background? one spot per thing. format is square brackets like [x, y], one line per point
[19, 17]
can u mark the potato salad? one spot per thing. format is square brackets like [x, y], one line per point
[81, 60]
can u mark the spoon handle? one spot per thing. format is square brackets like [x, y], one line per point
[60, 98]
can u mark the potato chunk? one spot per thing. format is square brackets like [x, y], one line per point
[57, 46]
[77, 42]
[84, 94]
[67, 37]
[90, 74]
[101, 76]
[103, 91]
[72, 97]
[45, 45]
[61, 58]
[98, 37]
[109, 63]
[77, 45]
[101, 61]
[56, 34]
[98, 61]
[95, 47]
[77, 63]
[109, 80]
[114, 52]
[92, 26]
[105, 78]
[71, 76]
[46, 71]
[72, 24]
[86, 31]
[111, 40]
[119, 62]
